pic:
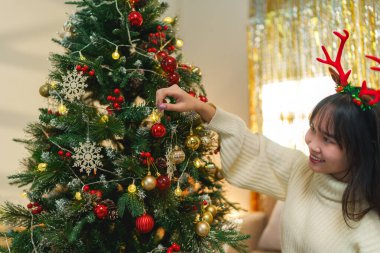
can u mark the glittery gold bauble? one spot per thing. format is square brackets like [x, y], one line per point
[168, 20]
[159, 235]
[179, 43]
[212, 209]
[104, 119]
[202, 228]
[207, 217]
[178, 192]
[149, 182]
[62, 109]
[44, 90]
[132, 188]
[78, 196]
[193, 142]
[198, 163]
[206, 141]
[42, 167]
[115, 55]
[177, 155]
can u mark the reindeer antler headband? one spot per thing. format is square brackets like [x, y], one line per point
[341, 78]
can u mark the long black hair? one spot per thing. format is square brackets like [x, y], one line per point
[357, 133]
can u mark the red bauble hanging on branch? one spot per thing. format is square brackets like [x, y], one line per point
[101, 211]
[173, 78]
[144, 223]
[169, 64]
[163, 182]
[158, 130]
[135, 18]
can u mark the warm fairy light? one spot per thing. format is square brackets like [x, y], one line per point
[168, 20]
[179, 43]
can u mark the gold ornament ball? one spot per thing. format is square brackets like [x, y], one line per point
[115, 55]
[44, 90]
[78, 196]
[202, 228]
[207, 217]
[62, 109]
[42, 167]
[193, 142]
[212, 209]
[168, 20]
[198, 163]
[177, 155]
[149, 182]
[178, 192]
[132, 188]
[179, 43]
[159, 235]
[104, 119]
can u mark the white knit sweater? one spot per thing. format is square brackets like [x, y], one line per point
[312, 219]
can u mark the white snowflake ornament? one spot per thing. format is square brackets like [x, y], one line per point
[87, 157]
[73, 85]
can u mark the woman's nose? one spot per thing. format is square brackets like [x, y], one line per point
[314, 145]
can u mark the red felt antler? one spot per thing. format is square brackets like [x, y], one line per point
[337, 64]
[375, 94]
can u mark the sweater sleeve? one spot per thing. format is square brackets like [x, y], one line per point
[252, 161]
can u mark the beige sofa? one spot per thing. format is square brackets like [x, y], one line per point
[264, 228]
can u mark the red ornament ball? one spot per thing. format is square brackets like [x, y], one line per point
[101, 211]
[169, 64]
[173, 78]
[163, 182]
[176, 247]
[135, 18]
[158, 130]
[144, 223]
[161, 55]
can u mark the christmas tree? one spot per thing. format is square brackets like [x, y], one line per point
[107, 171]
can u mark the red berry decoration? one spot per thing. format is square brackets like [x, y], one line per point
[144, 223]
[101, 211]
[163, 182]
[203, 99]
[192, 93]
[169, 64]
[158, 130]
[34, 207]
[173, 78]
[61, 153]
[91, 72]
[135, 18]
[68, 154]
[86, 188]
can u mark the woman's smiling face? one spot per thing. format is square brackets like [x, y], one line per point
[326, 156]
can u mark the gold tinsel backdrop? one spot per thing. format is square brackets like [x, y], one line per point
[285, 38]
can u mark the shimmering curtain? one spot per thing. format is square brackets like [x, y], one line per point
[285, 37]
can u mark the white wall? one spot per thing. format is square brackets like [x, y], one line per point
[214, 32]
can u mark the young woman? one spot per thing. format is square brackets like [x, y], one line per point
[332, 197]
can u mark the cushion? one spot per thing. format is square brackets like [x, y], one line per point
[271, 237]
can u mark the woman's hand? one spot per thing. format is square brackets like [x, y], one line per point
[184, 102]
